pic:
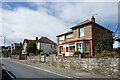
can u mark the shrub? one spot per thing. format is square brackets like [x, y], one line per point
[107, 54]
[76, 53]
[39, 51]
[60, 55]
[90, 56]
[42, 53]
[53, 51]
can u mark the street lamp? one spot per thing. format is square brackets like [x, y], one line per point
[1, 46]
[3, 40]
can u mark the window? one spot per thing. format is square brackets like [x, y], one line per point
[72, 48]
[62, 38]
[86, 47]
[69, 35]
[51, 46]
[61, 49]
[79, 47]
[54, 46]
[66, 49]
[81, 32]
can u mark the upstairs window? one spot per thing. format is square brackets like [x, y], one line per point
[69, 35]
[62, 38]
[81, 32]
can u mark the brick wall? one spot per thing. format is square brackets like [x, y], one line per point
[98, 32]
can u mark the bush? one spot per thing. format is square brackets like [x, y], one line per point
[39, 51]
[76, 53]
[60, 55]
[90, 56]
[53, 51]
[107, 54]
[42, 53]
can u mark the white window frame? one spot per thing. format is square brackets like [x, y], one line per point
[81, 32]
[69, 35]
[62, 38]
[80, 48]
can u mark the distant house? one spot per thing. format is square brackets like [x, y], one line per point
[25, 42]
[82, 37]
[46, 44]
[16, 46]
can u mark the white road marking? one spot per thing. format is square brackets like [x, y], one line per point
[10, 75]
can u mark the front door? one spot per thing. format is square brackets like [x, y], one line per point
[67, 51]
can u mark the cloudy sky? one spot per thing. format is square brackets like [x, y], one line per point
[22, 20]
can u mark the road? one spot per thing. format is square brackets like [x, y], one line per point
[23, 71]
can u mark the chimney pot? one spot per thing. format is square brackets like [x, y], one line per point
[36, 38]
[93, 19]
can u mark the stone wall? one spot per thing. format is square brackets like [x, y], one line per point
[103, 66]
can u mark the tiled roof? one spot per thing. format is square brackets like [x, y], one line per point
[69, 32]
[87, 22]
[27, 40]
[82, 23]
[46, 40]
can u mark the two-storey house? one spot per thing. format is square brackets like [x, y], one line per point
[82, 37]
[46, 44]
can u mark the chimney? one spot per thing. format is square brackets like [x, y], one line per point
[36, 38]
[93, 19]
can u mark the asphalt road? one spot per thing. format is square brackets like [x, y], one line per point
[22, 71]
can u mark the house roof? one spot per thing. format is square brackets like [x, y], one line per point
[82, 23]
[87, 22]
[46, 40]
[26, 40]
[69, 32]
[17, 44]
[76, 40]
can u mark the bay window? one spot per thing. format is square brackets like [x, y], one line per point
[79, 47]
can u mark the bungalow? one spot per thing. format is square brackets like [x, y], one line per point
[82, 37]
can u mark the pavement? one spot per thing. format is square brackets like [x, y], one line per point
[54, 71]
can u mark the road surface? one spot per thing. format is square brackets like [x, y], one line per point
[23, 71]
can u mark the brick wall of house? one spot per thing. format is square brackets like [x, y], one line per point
[88, 31]
[76, 33]
[98, 32]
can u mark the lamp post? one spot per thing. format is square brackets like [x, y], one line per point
[2, 45]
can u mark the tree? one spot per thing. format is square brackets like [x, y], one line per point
[105, 42]
[14, 51]
[31, 47]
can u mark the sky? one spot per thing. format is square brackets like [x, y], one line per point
[27, 20]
